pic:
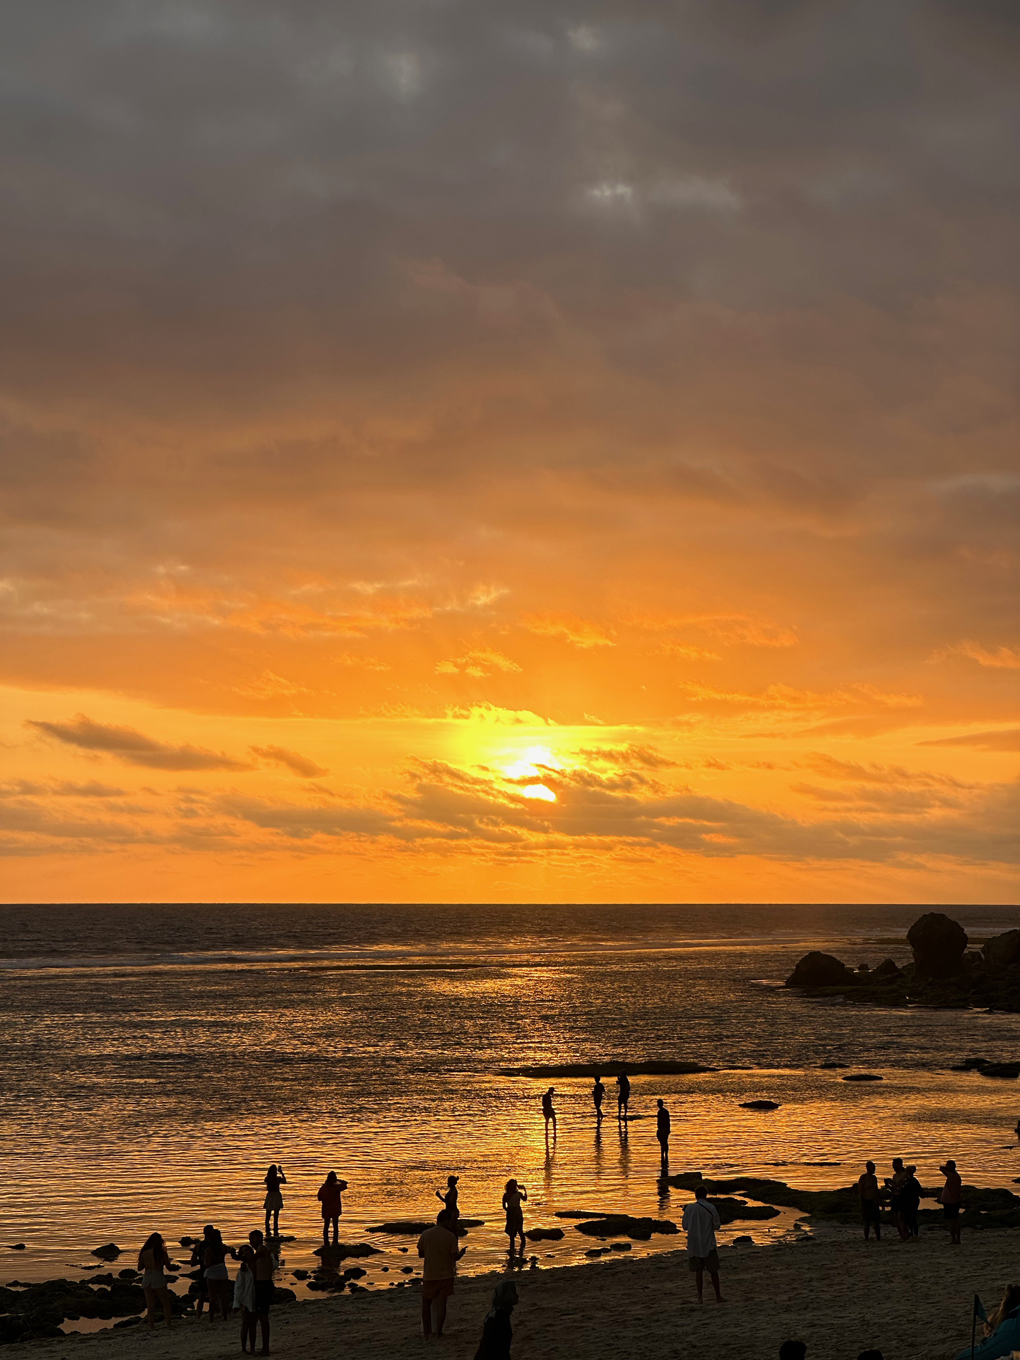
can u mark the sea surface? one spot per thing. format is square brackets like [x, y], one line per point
[156, 1059]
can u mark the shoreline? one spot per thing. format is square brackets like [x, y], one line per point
[911, 1300]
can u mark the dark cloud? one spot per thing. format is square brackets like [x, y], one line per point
[134, 747]
[294, 761]
[1004, 740]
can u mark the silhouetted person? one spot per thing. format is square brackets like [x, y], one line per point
[449, 1196]
[548, 1111]
[198, 1261]
[598, 1094]
[622, 1095]
[513, 1197]
[911, 1197]
[870, 1197]
[950, 1195]
[438, 1249]
[217, 1276]
[792, 1350]
[273, 1202]
[497, 1332]
[662, 1129]
[263, 1266]
[330, 1197]
[700, 1222]
[895, 1184]
[244, 1297]
[152, 1262]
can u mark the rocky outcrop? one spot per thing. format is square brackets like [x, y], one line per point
[623, 1225]
[944, 973]
[759, 1104]
[938, 943]
[821, 970]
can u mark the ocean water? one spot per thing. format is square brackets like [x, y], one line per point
[157, 1059]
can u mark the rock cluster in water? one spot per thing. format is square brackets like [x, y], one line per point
[944, 972]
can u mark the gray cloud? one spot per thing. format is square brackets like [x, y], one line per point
[1002, 740]
[293, 760]
[134, 747]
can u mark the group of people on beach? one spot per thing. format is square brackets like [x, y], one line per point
[251, 1293]
[903, 1192]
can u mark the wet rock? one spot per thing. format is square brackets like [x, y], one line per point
[18, 1246]
[624, 1225]
[862, 1076]
[760, 1105]
[300, 1274]
[284, 1295]
[108, 1253]
[407, 1270]
[620, 1246]
[354, 1273]
[126, 1274]
[730, 1210]
[820, 970]
[655, 1068]
[1001, 951]
[1007, 1070]
[544, 1234]
[341, 1250]
[743, 1241]
[938, 943]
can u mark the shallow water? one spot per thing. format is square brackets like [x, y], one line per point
[157, 1059]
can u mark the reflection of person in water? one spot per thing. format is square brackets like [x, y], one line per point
[622, 1095]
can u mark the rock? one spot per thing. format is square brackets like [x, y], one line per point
[730, 1210]
[341, 1250]
[655, 1068]
[624, 1225]
[300, 1274]
[282, 1295]
[969, 1063]
[18, 1246]
[862, 1076]
[407, 1270]
[544, 1234]
[760, 1105]
[596, 1251]
[126, 1274]
[863, 968]
[1007, 1070]
[938, 943]
[354, 1273]
[742, 1241]
[831, 1066]
[1001, 951]
[108, 1253]
[820, 970]
[620, 1246]
[888, 971]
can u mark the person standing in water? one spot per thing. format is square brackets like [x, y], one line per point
[662, 1131]
[950, 1196]
[869, 1195]
[273, 1202]
[449, 1197]
[330, 1197]
[548, 1111]
[513, 1197]
[622, 1095]
[152, 1262]
[598, 1094]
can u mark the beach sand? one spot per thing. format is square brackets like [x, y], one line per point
[910, 1300]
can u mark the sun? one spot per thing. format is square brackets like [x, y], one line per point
[539, 791]
[532, 761]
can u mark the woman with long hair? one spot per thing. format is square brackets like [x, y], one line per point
[217, 1277]
[513, 1196]
[1002, 1330]
[152, 1262]
[273, 1202]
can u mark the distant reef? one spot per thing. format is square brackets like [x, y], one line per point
[609, 1069]
[943, 972]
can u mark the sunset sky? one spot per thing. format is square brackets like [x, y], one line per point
[510, 451]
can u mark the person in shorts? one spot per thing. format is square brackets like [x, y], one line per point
[950, 1196]
[262, 1267]
[438, 1249]
[870, 1197]
[700, 1222]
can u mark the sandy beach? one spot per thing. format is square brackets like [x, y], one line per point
[911, 1300]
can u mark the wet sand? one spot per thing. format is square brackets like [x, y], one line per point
[911, 1300]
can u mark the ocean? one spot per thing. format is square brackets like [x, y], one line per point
[158, 1058]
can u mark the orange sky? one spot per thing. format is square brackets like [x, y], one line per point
[528, 452]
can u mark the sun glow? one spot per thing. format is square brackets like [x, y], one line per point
[539, 791]
[530, 762]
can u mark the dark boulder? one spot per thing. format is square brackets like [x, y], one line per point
[938, 943]
[624, 1225]
[861, 1076]
[544, 1234]
[1008, 1070]
[888, 971]
[1001, 951]
[820, 970]
[759, 1105]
